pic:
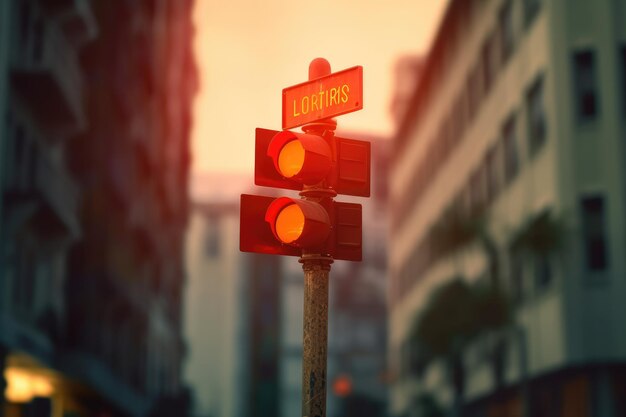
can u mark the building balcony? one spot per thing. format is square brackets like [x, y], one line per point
[59, 195]
[46, 198]
[47, 77]
[75, 17]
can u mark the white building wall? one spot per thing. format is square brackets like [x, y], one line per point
[576, 319]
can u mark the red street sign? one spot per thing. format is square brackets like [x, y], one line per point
[328, 96]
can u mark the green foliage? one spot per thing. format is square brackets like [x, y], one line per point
[456, 314]
[447, 323]
[491, 308]
[541, 234]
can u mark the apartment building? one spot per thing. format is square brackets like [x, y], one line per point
[95, 159]
[42, 109]
[519, 115]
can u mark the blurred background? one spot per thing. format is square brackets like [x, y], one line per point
[493, 280]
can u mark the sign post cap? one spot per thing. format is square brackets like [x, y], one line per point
[318, 68]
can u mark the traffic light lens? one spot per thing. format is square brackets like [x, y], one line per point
[289, 223]
[291, 159]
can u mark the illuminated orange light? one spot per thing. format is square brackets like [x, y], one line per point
[289, 223]
[23, 385]
[291, 159]
[342, 386]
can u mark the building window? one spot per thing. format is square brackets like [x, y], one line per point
[477, 194]
[535, 110]
[531, 9]
[585, 86]
[490, 60]
[491, 167]
[473, 87]
[38, 40]
[486, 65]
[516, 272]
[212, 242]
[543, 271]
[623, 51]
[506, 29]
[511, 157]
[594, 236]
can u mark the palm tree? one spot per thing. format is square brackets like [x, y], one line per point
[444, 329]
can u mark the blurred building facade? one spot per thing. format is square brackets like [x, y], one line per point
[358, 309]
[95, 159]
[519, 116]
[233, 308]
[216, 300]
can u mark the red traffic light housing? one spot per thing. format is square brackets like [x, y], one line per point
[300, 157]
[301, 223]
[346, 169]
[285, 226]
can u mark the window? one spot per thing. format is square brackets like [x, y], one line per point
[594, 236]
[489, 64]
[460, 121]
[511, 158]
[38, 40]
[535, 111]
[507, 34]
[543, 271]
[491, 167]
[531, 9]
[516, 272]
[212, 238]
[473, 87]
[477, 190]
[623, 51]
[485, 65]
[585, 88]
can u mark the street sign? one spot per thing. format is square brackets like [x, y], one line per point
[322, 98]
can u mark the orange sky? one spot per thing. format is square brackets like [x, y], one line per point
[248, 51]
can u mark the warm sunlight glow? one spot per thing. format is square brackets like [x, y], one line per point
[291, 159]
[243, 66]
[23, 386]
[289, 223]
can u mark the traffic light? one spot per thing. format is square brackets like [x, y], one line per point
[300, 157]
[306, 159]
[287, 226]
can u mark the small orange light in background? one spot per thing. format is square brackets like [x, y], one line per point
[291, 159]
[23, 386]
[290, 223]
[342, 385]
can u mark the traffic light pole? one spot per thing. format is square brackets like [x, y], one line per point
[316, 277]
[315, 340]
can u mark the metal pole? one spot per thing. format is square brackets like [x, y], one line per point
[316, 273]
[315, 340]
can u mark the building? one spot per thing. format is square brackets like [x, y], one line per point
[216, 320]
[518, 117]
[358, 307]
[95, 159]
[41, 110]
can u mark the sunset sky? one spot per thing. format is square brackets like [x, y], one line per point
[248, 51]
